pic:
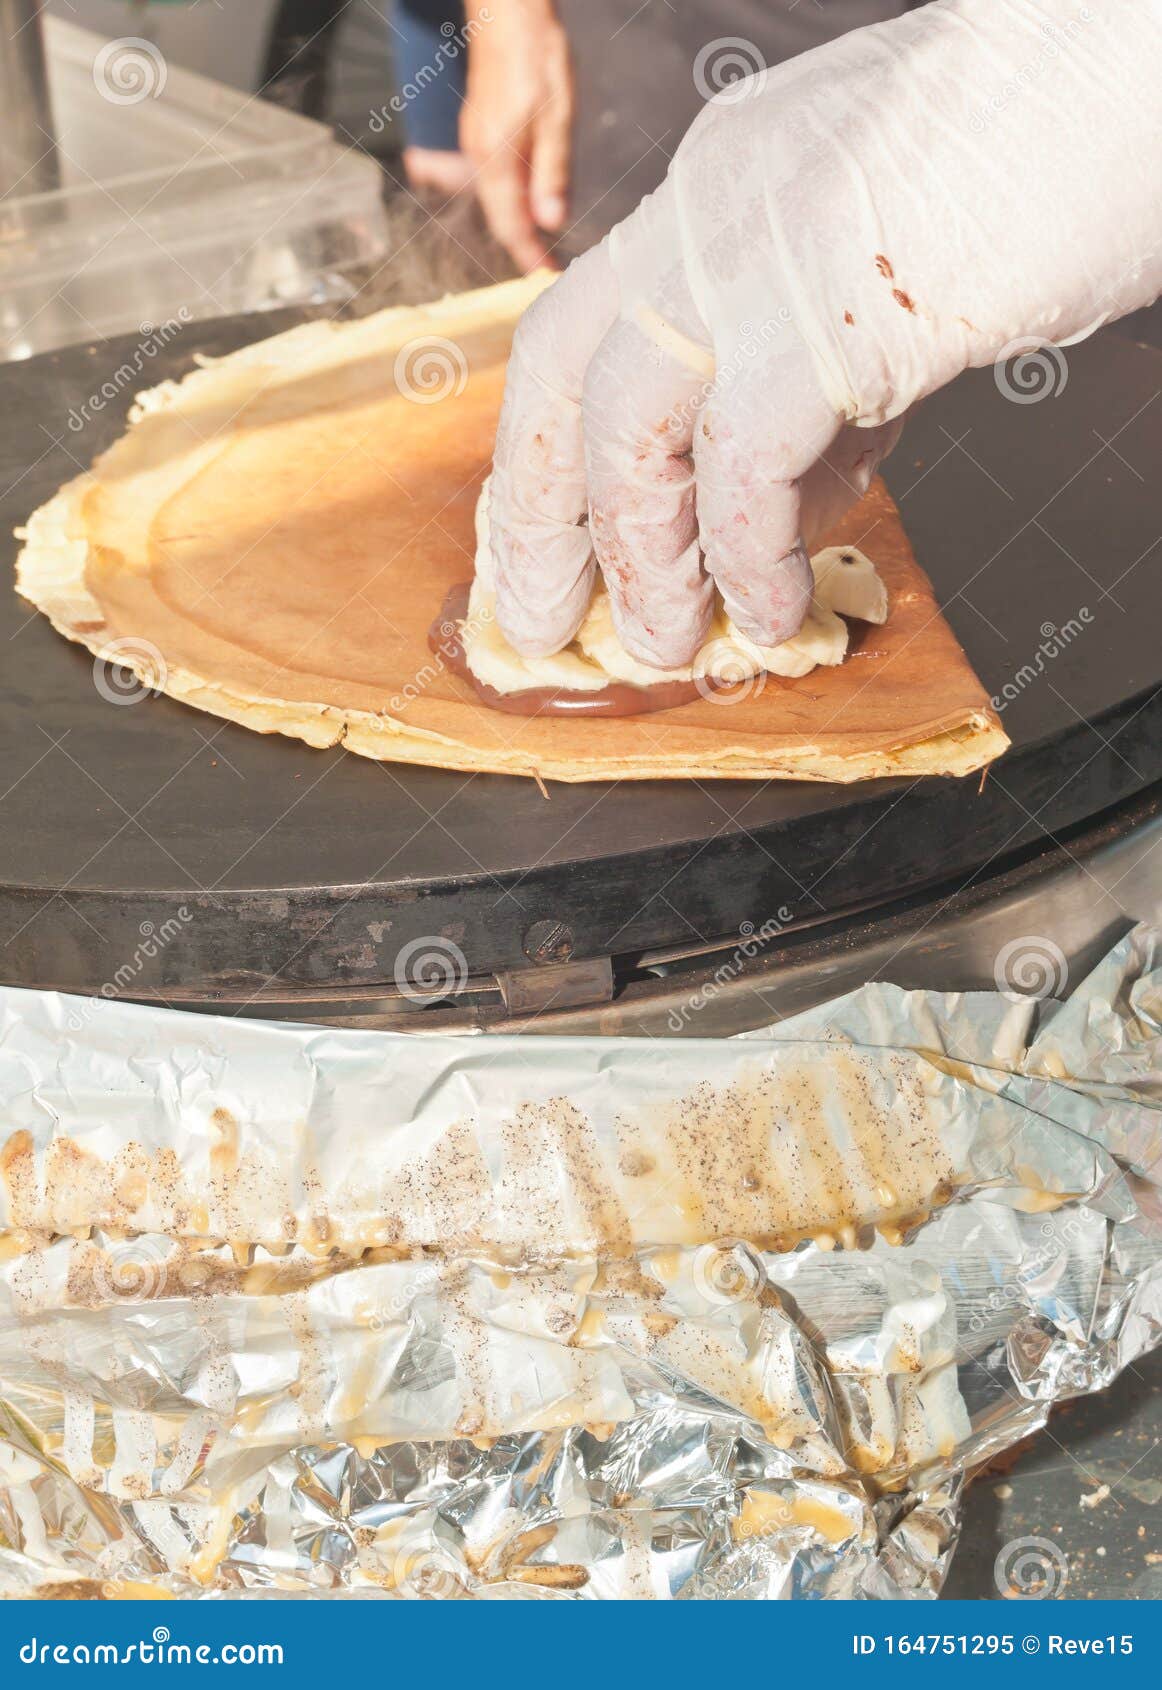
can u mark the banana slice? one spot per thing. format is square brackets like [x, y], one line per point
[493, 661]
[726, 655]
[846, 582]
[484, 567]
[597, 639]
[821, 640]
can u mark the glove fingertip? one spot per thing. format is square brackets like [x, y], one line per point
[776, 608]
[535, 621]
[672, 644]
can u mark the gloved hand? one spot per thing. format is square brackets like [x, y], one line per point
[835, 239]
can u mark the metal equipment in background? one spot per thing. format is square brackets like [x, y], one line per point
[306, 875]
[157, 853]
[169, 197]
[28, 162]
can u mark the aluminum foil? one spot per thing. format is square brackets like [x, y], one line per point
[350, 1313]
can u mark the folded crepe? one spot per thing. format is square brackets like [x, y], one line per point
[273, 538]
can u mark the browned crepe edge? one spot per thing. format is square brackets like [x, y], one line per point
[51, 574]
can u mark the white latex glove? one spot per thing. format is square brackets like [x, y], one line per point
[835, 239]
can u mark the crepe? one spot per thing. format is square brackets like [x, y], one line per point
[273, 537]
[846, 584]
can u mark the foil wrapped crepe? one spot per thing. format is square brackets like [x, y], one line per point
[296, 1310]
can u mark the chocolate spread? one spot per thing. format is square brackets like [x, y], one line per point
[615, 698]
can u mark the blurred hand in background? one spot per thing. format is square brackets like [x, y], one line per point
[516, 122]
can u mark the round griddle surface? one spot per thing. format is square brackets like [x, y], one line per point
[1039, 522]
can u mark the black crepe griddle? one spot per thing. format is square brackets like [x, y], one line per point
[299, 869]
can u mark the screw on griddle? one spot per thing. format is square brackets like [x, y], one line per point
[548, 941]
